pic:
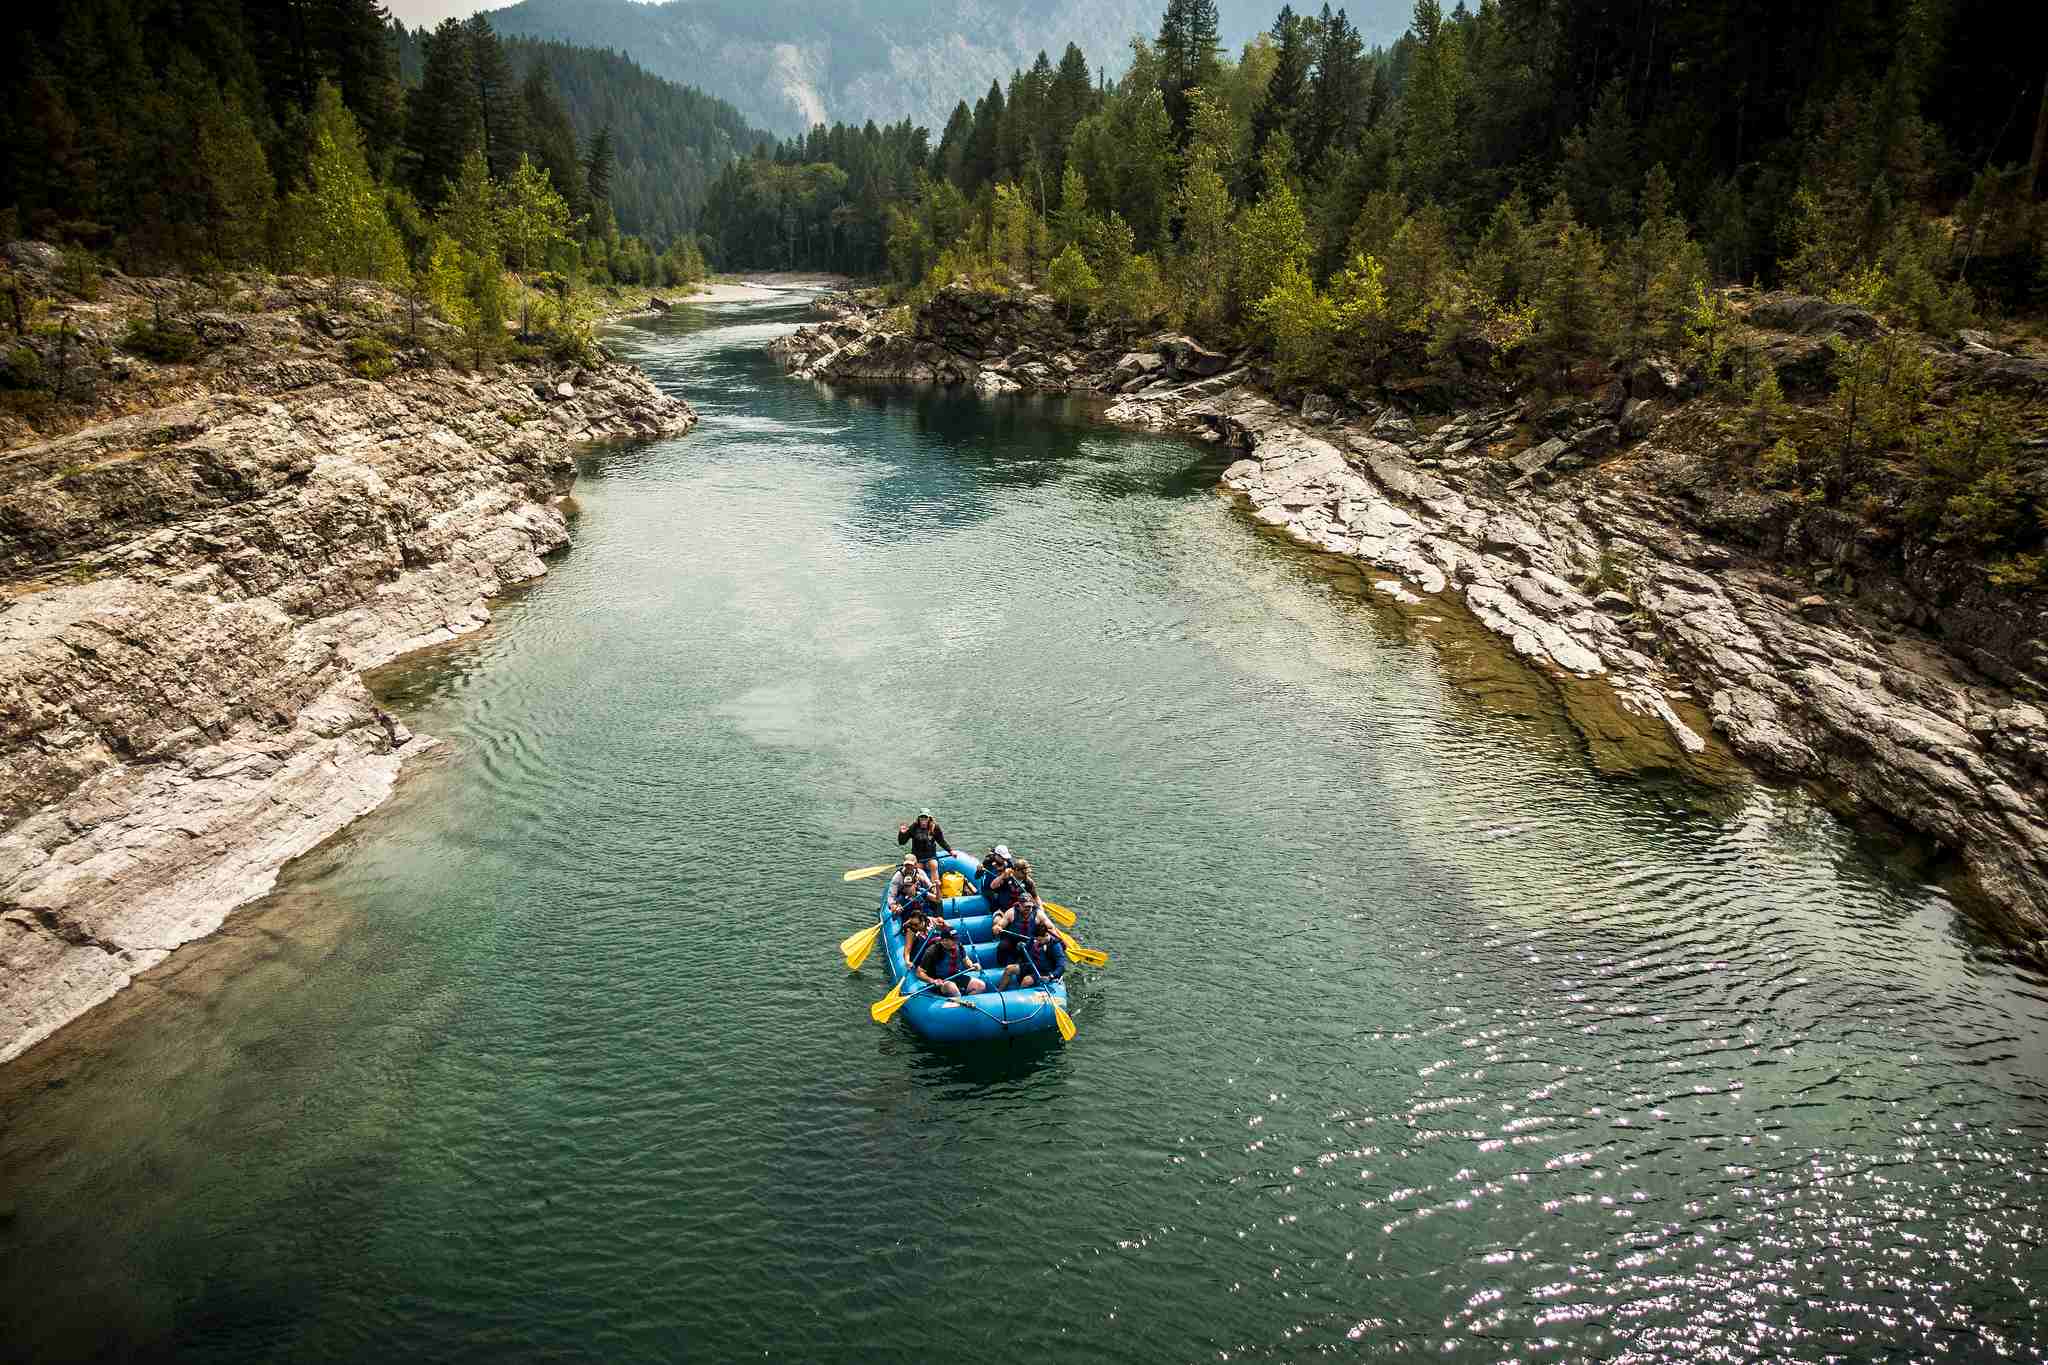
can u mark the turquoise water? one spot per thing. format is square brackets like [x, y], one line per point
[1419, 1037]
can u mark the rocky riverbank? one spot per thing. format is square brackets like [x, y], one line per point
[196, 579]
[1674, 610]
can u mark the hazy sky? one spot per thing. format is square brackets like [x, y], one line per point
[415, 13]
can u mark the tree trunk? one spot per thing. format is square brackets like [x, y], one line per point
[2038, 183]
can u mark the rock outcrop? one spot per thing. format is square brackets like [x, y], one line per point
[192, 595]
[1675, 613]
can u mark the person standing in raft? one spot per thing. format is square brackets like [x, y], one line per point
[943, 959]
[925, 839]
[1042, 963]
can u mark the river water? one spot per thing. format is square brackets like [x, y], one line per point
[1419, 1037]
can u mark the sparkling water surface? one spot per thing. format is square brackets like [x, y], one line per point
[1419, 1037]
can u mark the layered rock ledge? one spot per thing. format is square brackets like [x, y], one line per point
[1674, 616]
[192, 595]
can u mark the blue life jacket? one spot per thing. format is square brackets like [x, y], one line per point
[990, 866]
[1047, 962]
[1004, 896]
[951, 958]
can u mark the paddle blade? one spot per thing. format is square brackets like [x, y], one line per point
[1060, 914]
[1087, 957]
[860, 953]
[1064, 1022]
[863, 873]
[883, 1010]
[851, 943]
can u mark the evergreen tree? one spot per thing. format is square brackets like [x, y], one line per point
[983, 162]
[240, 192]
[1188, 55]
[1283, 107]
[1068, 103]
[1336, 112]
[597, 179]
[469, 213]
[1429, 111]
[443, 120]
[532, 220]
[498, 102]
[1572, 292]
[552, 138]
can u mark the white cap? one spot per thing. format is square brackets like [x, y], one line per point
[1002, 850]
[923, 812]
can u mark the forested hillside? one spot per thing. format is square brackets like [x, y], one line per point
[1544, 191]
[1814, 139]
[168, 134]
[668, 141]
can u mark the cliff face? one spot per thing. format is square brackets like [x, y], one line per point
[1674, 611]
[193, 592]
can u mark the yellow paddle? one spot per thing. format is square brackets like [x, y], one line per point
[860, 874]
[1060, 914]
[1063, 1021]
[1087, 957]
[857, 948]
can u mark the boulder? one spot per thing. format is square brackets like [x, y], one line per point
[1318, 408]
[1192, 357]
[1137, 365]
[1538, 457]
[1393, 426]
[1637, 418]
[1596, 440]
[1653, 377]
[1618, 603]
[1808, 315]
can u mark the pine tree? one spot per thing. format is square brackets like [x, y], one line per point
[532, 220]
[1283, 106]
[443, 121]
[1188, 55]
[597, 179]
[239, 189]
[1429, 152]
[497, 98]
[1572, 293]
[552, 138]
[1072, 94]
[1337, 95]
[469, 213]
[983, 162]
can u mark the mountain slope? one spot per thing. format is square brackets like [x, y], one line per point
[884, 60]
[670, 142]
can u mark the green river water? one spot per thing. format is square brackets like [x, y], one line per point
[1419, 1038]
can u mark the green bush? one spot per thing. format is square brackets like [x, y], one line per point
[159, 342]
[21, 368]
[370, 357]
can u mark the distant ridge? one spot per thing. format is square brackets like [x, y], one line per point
[787, 66]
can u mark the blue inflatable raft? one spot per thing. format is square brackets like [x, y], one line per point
[970, 1018]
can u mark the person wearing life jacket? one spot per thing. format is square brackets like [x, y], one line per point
[909, 890]
[1040, 962]
[1020, 919]
[993, 864]
[925, 839]
[943, 959]
[916, 932]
